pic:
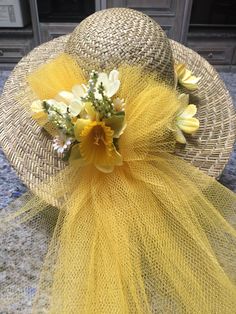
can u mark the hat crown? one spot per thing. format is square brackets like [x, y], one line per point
[111, 37]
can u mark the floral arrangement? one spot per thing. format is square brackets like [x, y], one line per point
[89, 121]
[90, 118]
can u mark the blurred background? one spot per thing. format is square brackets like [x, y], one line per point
[207, 26]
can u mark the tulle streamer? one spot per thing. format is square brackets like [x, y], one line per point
[154, 236]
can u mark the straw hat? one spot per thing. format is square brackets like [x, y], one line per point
[106, 39]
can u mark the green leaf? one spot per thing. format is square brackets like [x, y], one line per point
[120, 113]
[67, 155]
[116, 123]
[74, 152]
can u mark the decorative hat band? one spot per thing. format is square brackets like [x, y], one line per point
[89, 119]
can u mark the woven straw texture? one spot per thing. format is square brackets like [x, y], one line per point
[30, 150]
[112, 37]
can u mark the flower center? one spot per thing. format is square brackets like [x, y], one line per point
[98, 135]
[96, 143]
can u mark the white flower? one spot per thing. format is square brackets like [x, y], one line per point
[61, 143]
[119, 104]
[110, 83]
[65, 97]
[79, 90]
[73, 99]
[59, 105]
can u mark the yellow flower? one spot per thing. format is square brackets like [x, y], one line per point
[185, 77]
[185, 121]
[38, 112]
[89, 112]
[96, 145]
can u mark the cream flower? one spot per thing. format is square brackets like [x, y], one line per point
[185, 122]
[59, 105]
[119, 104]
[73, 99]
[185, 77]
[111, 83]
[79, 90]
[76, 105]
[39, 113]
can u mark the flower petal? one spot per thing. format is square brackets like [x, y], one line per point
[102, 77]
[96, 143]
[78, 91]
[189, 112]
[185, 77]
[75, 156]
[92, 113]
[105, 169]
[115, 160]
[114, 75]
[65, 96]
[189, 125]
[51, 102]
[111, 84]
[75, 107]
[180, 69]
[179, 136]
[112, 88]
[187, 74]
[119, 104]
[184, 99]
[190, 84]
[62, 107]
[79, 126]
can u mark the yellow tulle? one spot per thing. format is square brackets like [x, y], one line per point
[154, 236]
[58, 75]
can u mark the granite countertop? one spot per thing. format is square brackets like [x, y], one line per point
[24, 249]
[228, 177]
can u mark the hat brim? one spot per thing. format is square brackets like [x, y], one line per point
[30, 151]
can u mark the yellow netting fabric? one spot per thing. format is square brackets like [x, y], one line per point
[154, 236]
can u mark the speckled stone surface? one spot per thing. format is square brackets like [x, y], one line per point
[10, 185]
[228, 177]
[23, 251]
